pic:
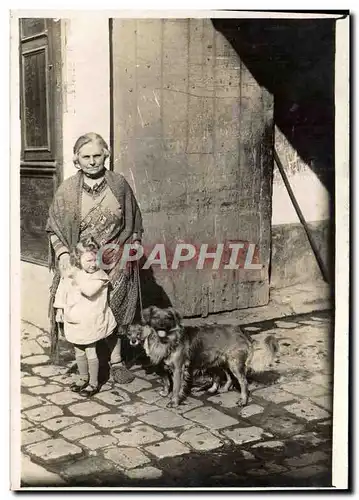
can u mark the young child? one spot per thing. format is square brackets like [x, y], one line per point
[87, 317]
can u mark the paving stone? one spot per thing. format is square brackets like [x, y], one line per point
[309, 439]
[229, 399]
[170, 448]
[323, 379]
[273, 394]
[304, 388]
[164, 419]
[49, 370]
[310, 322]
[259, 471]
[54, 450]
[307, 472]
[319, 319]
[47, 389]
[39, 359]
[247, 455]
[34, 475]
[59, 423]
[286, 324]
[150, 396]
[28, 401]
[109, 420]
[137, 409]
[65, 397]
[226, 477]
[24, 374]
[114, 397]
[282, 425]
[136, 436]
[188, 404]
[307, 410]
[79, 431]
[171, 434]
[32, 381]
[327, 425]
[274, 468]
[90, 467]
[30, 348]
[44, 341]
[249, 411]
[87, 409]
[66, 379]
[277, 445]
[137, 385]
[211, 418]
[144, 473]
[324, 401]
[33, 435]
[108, 387]
[307, 459]
[97, 442]
[135, 367]
[146, 376]
[126, 458]
[200, 439]
[31, 330]
[246, 434]
[25, 424]
[45, 412]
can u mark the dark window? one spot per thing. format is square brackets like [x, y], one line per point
[36, 120]
[40, 115]
[32, 26]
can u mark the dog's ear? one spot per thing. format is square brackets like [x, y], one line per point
[147, 315]
[176, 316]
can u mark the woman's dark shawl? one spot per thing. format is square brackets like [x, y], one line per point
[64, 221]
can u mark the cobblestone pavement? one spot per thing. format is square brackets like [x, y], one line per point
[125, 436]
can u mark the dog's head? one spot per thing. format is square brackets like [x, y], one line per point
[165, 322]
[137, 334]
[162, 320]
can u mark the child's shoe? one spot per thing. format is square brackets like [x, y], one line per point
[79, 386]
[89, 390]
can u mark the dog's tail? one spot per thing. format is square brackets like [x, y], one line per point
[262, 354]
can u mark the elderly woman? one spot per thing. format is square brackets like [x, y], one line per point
[97, 203]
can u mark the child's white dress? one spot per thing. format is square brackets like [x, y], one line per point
[86, 319]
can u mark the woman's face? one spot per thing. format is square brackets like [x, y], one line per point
[91, 159]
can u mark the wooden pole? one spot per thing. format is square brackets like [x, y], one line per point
[301, 218]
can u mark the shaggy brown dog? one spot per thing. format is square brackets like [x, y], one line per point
[186, 349]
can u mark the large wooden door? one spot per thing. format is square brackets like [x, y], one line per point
[193, 135]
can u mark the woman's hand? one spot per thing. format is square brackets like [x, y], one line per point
[72, 272]
[64, 264]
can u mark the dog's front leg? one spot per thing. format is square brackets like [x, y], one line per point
[177, 382]
[166, 384]
[186, 380]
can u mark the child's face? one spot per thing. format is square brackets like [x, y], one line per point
[88, 262]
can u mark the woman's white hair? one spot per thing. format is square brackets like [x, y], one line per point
[87, 138]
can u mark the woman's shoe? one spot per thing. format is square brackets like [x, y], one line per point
[121, 374]
[74, 387]
[89, 390]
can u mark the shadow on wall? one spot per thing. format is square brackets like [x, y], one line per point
[152, 293]
[295, 61]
